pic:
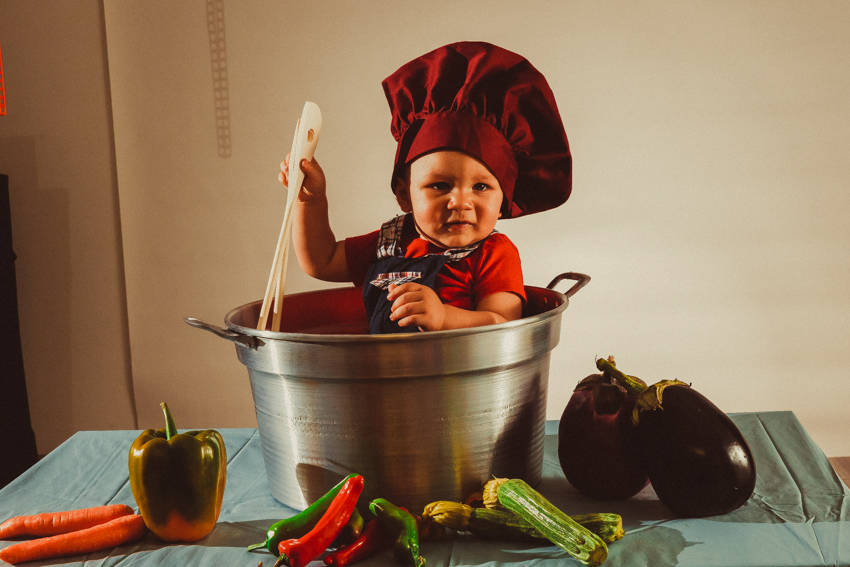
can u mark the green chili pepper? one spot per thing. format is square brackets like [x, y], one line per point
[402, 525]
[300, 524]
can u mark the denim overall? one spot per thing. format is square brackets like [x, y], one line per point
[391, 267]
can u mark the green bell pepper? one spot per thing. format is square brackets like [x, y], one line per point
[178, 480]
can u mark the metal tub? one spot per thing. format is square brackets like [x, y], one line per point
[422, 416]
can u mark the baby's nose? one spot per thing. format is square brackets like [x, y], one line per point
[461, 200]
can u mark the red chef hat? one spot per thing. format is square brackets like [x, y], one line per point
[492, 104]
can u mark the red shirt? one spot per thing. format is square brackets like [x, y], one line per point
[493, 267]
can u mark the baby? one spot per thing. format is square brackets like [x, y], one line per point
[479, 139]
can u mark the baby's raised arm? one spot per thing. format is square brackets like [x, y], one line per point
[319, 254]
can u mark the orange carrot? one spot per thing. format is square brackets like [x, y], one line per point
[125, 529]
[56, 523]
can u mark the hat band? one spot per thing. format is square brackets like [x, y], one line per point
[466, 133]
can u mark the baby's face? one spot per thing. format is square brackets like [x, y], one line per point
[454, 198]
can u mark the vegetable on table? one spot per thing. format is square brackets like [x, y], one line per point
[516, 495]
[178, 480]
[122, 530]
[698, 461]
[597, 442]
[350, 531]
[608, 526]
[373, 539]
[300, 524]
[483, 522]
[504, 524]
[299, 552]
[429, 530]
[402, 524]
[55, 523]
[454, 515]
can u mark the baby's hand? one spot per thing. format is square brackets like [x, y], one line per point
[314, 185]
[415, 304]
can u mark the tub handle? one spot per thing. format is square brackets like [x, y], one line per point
[581, 281]
[238, 338]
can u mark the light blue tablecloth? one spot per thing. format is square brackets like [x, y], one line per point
[797, 517]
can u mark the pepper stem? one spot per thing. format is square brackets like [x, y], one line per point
[170, 428]
[256, 546]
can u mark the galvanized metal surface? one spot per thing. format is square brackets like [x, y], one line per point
[413, 440]
[422, 416]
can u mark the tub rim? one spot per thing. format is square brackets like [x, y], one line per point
[395, 337]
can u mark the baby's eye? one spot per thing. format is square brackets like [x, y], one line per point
[481, 187]
[440, 186]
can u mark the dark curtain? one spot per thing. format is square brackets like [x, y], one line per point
[17, 441]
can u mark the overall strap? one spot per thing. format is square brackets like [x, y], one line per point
[389, 240]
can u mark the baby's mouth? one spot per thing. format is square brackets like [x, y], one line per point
[457, 226]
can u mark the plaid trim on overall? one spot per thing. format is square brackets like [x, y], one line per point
[389, 244]
[384, 281]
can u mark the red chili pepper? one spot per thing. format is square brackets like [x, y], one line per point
[371, 541]
[299, 552]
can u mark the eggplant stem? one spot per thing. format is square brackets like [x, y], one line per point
[632, 384]
[650, 400]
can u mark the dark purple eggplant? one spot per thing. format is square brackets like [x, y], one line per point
[597, 445]
[698, 462]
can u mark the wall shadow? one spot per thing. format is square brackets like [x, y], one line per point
[41, 240]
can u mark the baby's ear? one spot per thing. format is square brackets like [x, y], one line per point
[402, 195]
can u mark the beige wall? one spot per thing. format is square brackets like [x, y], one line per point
[710, 142]
[56, 147]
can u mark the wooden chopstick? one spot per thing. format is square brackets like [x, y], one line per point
[274, 276]
[303, 146]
